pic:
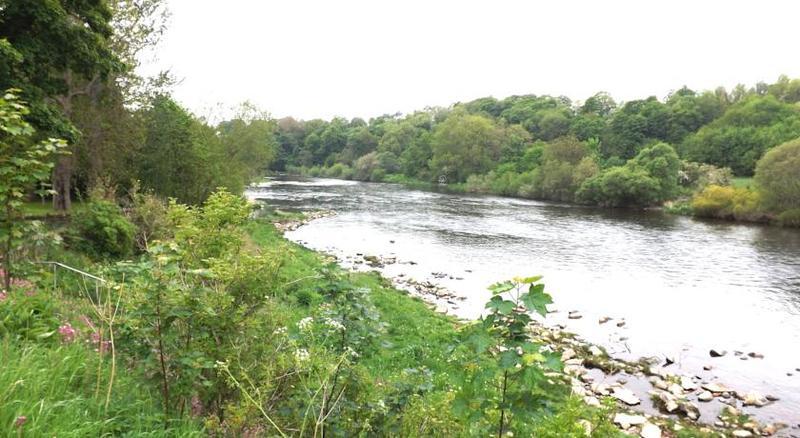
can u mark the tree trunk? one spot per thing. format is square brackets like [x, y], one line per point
[62, 184]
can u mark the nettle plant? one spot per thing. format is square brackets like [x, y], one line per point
[506, 372]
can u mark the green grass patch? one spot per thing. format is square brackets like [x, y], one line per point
[742, 182]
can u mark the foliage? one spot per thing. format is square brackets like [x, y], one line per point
[744, 133]
[24, 166]
[100, 229]
[726, 202]
[149, 214]
[697, 176]
[464, 145]
[778, 177]
[505, 382]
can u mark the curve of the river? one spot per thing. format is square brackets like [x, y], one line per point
[682, 286]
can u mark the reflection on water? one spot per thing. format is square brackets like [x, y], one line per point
[683, 286]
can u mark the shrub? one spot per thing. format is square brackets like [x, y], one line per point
[726, 202]
[620, 187]
[699, 175]
[100, 229]
[778, 177]
[790, 218]
[148, 213]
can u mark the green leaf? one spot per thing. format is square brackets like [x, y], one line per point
[530, 280]
[499, 288]
[499, 305]
[537, 301]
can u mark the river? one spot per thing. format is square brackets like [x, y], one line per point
[682, 286]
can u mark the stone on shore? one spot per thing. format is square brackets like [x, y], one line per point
[650, 430]
[574, 315]
[626, 396]
[715, 387]
[717, 353]
[705, 396]
[626, 420]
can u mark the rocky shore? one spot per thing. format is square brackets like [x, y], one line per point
[652, 400]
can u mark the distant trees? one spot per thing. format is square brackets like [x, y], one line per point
[744, 133]
[465, 144]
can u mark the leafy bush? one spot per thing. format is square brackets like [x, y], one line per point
[26, 314]
[726, 202]
[778, 177]
[149, 214]
[100, 229]
[649, 178]
[697, 176]
[790, 218]
[620, 187]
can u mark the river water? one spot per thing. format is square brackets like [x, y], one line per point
[682, 286]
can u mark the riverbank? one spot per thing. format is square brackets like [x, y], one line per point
[681, 206]
[679, 400]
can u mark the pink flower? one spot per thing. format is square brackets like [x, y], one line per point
[68, 333]
[20, 421]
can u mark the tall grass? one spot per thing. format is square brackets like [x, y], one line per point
[54, 389]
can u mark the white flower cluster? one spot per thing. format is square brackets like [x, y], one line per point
[301, 355]
[334, 324]
[353, 353]
[280, 331]
[305, 323]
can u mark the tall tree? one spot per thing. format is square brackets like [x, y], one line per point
[64, 53]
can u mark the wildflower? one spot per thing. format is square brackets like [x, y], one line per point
[20, 421]
[353, 353]
[279, 331]
[334, 324]
[305, 323]
[301, 355]
[68, 333]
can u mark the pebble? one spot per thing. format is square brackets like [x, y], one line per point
[604, 320]
[574, 315]
[705, 396]
[621, 323]
[626, 396]
[626, 420]
[717, 353]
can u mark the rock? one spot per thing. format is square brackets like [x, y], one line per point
[625, 420]
[595, 350]
[741, 433]
[600, 389]
[567, 354]
[604, 320]
[730, 411]
[769, 429]
[675, 389]
[688, 384]
[753, 398]
[391, 241]
[650, 430]
[626, 396]
[715, 387]
[587, 427]
[705, 396]
[707, 367]
[574, 315]
[717, 353]
[755, 355]
[592, 401]
[659, 383]
[669, 360]
[691, 410]
[772, 398]
[620, 323]
[737, 353]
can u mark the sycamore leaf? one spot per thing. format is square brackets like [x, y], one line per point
[499, 288]
[537, 301]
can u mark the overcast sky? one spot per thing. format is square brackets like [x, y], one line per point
[347, 58]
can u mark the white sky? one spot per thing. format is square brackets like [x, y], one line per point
[350, 58]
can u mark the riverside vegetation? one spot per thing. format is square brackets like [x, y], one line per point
[201, 320]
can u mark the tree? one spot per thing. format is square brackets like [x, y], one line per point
[778, 177]
[465, 144]
[24, 166]
[65, 52]
[566, 164]
[741, 136]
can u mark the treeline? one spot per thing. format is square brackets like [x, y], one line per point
[74, 64]
[639, 153]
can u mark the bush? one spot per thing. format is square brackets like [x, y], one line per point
[620, 187]
[726, 202]
[778, 177]
[148, 213]
[697, 176]
[790, 218]
[100, 229]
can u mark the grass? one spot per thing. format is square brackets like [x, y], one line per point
[55, 389]
[42, 210]
[742, 182]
